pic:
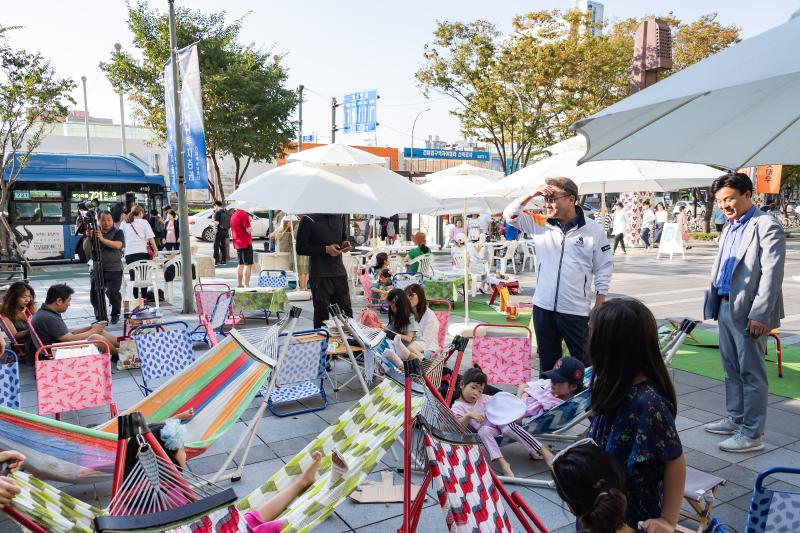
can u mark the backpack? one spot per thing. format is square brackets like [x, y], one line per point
[159, 228]
[224, 219]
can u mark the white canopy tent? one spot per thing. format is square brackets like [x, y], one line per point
[737, 108]
[456, 188]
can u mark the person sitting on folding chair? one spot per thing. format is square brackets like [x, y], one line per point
[382, 284]
[565, 381]
[425, 317]
[52, 329]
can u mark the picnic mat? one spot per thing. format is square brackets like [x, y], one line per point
[703, 359]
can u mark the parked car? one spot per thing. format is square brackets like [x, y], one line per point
[701, 208]
[201, 225]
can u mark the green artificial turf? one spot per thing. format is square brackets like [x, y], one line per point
[703, 358]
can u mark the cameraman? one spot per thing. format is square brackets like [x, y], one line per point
[112, 241]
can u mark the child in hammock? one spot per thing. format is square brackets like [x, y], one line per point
[470, 410]
[565, 381]
[409, 342]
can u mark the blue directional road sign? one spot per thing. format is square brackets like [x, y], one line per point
[361, 111]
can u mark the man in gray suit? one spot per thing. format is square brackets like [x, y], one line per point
[745, 298]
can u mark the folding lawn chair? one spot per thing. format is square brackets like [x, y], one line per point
[75, 382]
[443, 316]
[468, 489]
[205, 296]
[215, 322]
[700, 492]
[16, 346]
[401, 280]
[275, 279]
[302, 373]
[771, 510]
[504, 359]
[9, 380]
[368, 338]
[164, 350]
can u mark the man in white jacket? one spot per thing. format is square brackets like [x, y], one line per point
[571, 252]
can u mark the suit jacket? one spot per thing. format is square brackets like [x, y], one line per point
[757, 276]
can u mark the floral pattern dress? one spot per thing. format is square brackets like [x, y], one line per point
[641, 434]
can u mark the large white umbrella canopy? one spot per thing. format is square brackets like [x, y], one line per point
[605, 176]
[303, 187]
[456, 189]
[737, 108]
[337, 154]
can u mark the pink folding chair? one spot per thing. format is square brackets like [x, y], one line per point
[504, 360]
[366, 285]
[205, 296]
[74, 383]
[443, 315]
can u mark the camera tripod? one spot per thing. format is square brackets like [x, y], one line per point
[91, 226]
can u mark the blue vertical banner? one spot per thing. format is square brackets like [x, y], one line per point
[195, 165]
[361, 111]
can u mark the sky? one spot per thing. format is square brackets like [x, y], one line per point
[332, 47]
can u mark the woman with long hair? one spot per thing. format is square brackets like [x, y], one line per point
[138, 236]
[633, 410]
[172, 238]
[18, 297]
[425, 317]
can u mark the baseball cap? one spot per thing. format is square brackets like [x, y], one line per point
[566, 369]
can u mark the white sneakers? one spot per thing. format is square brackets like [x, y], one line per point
[738, 442]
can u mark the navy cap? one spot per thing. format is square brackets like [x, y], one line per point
[566, 369]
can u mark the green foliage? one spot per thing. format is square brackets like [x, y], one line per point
[31, 95]
[561, 72]
[702, 236]
[246, 106]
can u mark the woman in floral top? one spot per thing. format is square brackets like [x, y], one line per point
[633, 406]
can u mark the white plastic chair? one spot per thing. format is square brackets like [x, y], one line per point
[396, 264]
[476, 271]
[177, 263]
[528, 254]
[145, 275]
[424, 264]
[504, 260]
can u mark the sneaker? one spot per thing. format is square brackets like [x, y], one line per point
[726, 426]
[740, 443]
[115, 319]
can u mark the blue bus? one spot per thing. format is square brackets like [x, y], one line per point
[43, 205]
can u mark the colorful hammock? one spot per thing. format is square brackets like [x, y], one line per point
[362, 435]
[220, 386]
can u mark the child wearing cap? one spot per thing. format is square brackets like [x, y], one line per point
[565, 381]
[471, 411]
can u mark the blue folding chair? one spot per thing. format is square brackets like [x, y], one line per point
[272, 278]
[216, 321]
[9, 380]
[301, 373]
[164, 350]
[401, 280]
[774, 511]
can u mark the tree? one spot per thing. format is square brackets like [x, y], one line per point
[246, 108]
[31, 96]
[561, 70]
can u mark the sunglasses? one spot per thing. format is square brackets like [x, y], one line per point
[553, 198]
[582, 442]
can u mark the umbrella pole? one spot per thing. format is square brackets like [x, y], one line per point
[294, 255]
[466, 269]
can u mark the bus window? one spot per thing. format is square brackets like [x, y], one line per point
[38, 206]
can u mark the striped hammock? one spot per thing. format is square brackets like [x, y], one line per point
[220, 385]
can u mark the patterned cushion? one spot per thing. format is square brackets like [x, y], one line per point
[465, 488]
[559, 416]
[503, 359]
[73, 383]
[222, 309]
[164, 353]
[304, 361]
[294, 393]
[9, 385]
[273, 281]
[774, 512]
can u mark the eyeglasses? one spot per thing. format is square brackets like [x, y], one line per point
[553, 198]
[581, 442]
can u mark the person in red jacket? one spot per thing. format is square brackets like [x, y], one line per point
[242, 233]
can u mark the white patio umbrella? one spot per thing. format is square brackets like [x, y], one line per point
[337, 154]
[606, 176]
[459, 185]
[736, 108]
[304, 187]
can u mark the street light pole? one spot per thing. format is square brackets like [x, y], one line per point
[86, 116]
[411, 170]
[414, 125]
[183, 215]
[118, 47]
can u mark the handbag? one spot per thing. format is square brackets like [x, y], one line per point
[148, 246]
[128, 355]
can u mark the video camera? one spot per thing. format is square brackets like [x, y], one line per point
[86, 219]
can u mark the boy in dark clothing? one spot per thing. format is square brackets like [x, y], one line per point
[324, 239]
